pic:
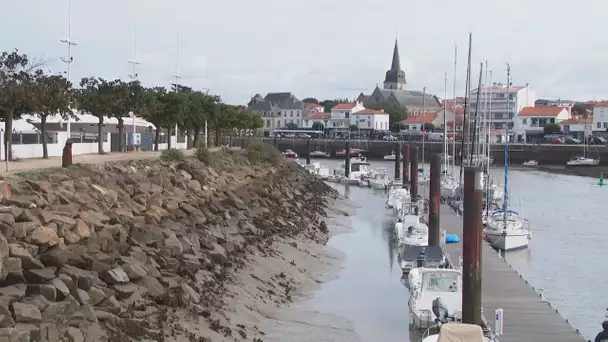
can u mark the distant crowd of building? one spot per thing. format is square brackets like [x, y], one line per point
[515, 106]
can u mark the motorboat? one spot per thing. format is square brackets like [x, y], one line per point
[530, 163]
[379, 180]
[290, 154]
[396, 195]
[456, 332]
[353, 153]
[582, 161]
[440, 289]
[318, 170]
[396, 182]
[506, 230]
[412, 257]
[391, 156]
[357, 170]
[319, 154]
[449, 186]
[409, 228]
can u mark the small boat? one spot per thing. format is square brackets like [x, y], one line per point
[506, 230]
[397, 195]
[357, 170]
[412, 257]
[396, 182]
[530, 163]
[409, 228]
[380, 179]
[451, 332]
[318, 170]
[353, 153]
[582, 161]
[290, 154]
[319, 154]
[438, 287]
[390, 156]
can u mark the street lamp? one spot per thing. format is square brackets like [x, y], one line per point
[69, 58]
[134, 75]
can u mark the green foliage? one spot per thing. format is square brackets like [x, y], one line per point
[203, 154]
[310, 100]
[552, 128]
[291, 125]
[228, 151]
[317, 126]
[329, 104]
[353, 128]
[172, 155]
[396, 113]
[580, 109]
[396, 127]
[428, 127]
[258, 151]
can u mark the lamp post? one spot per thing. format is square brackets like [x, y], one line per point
[68, 59]
[134, 75]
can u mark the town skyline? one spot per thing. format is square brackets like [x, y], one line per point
[270, 46]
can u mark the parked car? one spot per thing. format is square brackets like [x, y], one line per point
[389, 138]
[595, 140]
[558, 141]
[572, 141]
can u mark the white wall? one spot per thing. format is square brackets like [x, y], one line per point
[370, 121]
[600, 118]
[30, 151]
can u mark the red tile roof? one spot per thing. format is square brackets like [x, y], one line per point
[598, 104]
[421, 119]
[577, 121]
[318, 115]
[541, 111]
[370, 112]
[343, 106]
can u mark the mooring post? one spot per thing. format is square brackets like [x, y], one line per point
[414, 174]
[406, 164]
[434, 192]
[397, 160]
[347, 160]
[471, 246]
[308, 151]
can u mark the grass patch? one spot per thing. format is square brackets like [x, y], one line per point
[202, 154]
[258, 151]
[172, 155]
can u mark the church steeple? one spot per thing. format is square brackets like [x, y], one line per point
[396, 64]
[395, 77]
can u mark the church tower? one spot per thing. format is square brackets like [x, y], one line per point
[395, 77]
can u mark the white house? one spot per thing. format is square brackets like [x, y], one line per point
[416, 123]
[600, 117]
[531, 121]
[370, 119]
[320, 117]
[277, 109]
[341, 113]
[498, 97]
[577, 127]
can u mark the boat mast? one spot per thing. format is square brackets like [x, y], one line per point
[484, 150]
[491, 92]
[465, 126]
[476, 120]
[422, 128]
[445, 126]
[506, 191]
[454, 113]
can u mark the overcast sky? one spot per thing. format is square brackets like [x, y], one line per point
[321, 48]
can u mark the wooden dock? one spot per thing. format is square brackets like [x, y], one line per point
[526, 316]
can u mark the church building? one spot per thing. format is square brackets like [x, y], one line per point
[394, 92]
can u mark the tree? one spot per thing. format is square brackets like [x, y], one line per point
[310, 100]
[120, 103]
[552, 128]
[52, 96]
[580, 109]
[396, 127]
[396, 113]
[317, 126]
[291, 125]
[17, 75]
[329, 104]
[94, 97]
[428, 127]
[151, 109]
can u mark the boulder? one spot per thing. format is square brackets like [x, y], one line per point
[115, 276]
[26, 313]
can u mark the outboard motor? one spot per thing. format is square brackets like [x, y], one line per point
[410, 230]
[421, 261]
[440, 310]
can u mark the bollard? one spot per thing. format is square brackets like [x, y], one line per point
[397, 159]
[434, 192]
[308, 151]
[471, 246]
[414, 174]
[347, 160]
[66, 157]
[406, 164]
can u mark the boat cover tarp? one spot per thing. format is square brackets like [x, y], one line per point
[452, 238]
[460, 332]
[433, 253]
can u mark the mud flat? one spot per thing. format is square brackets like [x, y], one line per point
[153, 250]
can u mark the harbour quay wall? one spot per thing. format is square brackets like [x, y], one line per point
[556, 155]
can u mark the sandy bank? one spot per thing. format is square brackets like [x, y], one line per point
[160, 251]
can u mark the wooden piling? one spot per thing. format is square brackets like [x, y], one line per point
[434, 200]
[414, 173]
[471, 246]
[308, 151]
[406, 164]
[347, 160]
[397, 149]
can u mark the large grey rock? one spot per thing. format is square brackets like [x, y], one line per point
[26, 313]
[134, 271]
[40, 276]
[61, 288]
[14, 335]
[75, 335]
[27, 261]
[153, 287]
[115, 276]
[82, 279]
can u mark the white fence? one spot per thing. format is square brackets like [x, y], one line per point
[30, 151]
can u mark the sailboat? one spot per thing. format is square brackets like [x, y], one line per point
[505, 229]
[584, 160]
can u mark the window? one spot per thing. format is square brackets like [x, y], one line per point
[524, 121]
[285, 113]
[267, 123]
[406, 126]
[552, 120]
[306, 123]
[279, 123]
[297, 113]
[347, 115]
[605, 124]
[291, 113]
[599, 125]
[369, 123]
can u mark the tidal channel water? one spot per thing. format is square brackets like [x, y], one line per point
[565, 257]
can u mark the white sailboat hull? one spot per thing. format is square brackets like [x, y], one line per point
[509, 241]
[583, 162]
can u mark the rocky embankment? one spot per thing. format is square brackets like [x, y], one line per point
[155, 250]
